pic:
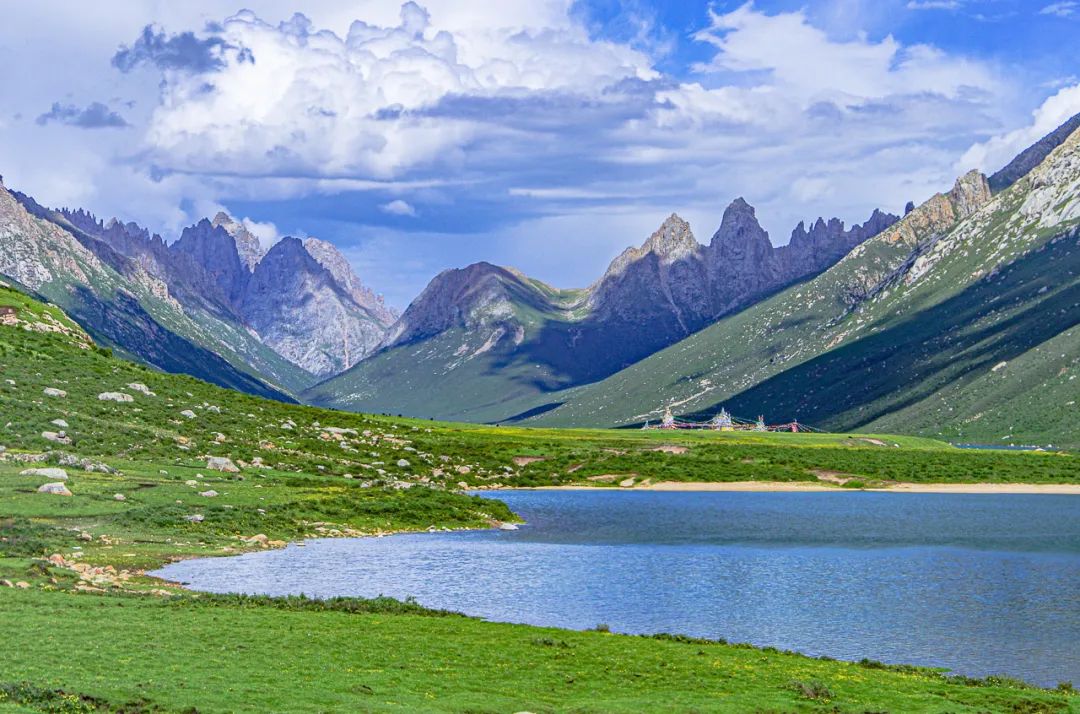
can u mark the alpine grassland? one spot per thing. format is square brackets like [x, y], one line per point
[161, 467]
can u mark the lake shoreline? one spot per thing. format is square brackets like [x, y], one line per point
[817, 487]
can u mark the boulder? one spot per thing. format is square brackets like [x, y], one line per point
[53, 473]
[403, 463]
[56, 488]
[208, 494]
[627, 483]
[507, 527]
[60, 423]
[119, 497]
[141, 389]
[53, 392]
[115, 397]
[220, 463]
[194, 518]
[188, 414]
[58, 437]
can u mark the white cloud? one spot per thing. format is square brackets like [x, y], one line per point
[1062, 9]
[933, 4]
[805, 63]
[397, 207]
[991, 155]
[265, 231]
[316, 104]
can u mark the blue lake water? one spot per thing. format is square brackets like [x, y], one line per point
[980, 584]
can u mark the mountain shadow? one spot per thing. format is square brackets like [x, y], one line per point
[994, 320]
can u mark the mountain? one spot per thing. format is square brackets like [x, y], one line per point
[484, 337]
[298, 308]
[959, 321]
[286, 316]
[119, 302]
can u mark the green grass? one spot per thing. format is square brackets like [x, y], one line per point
[220, 657]
[116, 640]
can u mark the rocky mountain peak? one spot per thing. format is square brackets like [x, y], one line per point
[476, 295]
[215, 250]
[248, 246]
[329, 257]
[739, 227]
[673, 240]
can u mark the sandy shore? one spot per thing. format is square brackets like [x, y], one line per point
[810, 486]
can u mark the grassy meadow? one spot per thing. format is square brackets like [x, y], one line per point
[85, 630]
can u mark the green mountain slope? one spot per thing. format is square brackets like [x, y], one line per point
[461, 350]
[918, 347]
[763, 340]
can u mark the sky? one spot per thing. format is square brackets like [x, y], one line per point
[543, 134]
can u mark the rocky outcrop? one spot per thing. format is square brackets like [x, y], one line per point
[248, 247]
[300, 311]
[214, 250]
[331, 258]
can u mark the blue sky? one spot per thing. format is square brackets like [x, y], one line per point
[544, 134]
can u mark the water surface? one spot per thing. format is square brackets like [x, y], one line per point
[981, 584]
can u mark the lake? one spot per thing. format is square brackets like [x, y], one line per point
[980, 584]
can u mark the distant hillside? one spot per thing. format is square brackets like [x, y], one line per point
[481, 339]
[957, 322]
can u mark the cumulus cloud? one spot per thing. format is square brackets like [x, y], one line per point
[397, 207]
[313, 103]
[94, 116]
[183, 51]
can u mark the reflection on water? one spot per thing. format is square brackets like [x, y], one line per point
[981, 584]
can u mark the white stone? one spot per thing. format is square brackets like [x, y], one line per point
[188, 413]
[57, 489]
[53, 473]
[115, 397]
[53, 392]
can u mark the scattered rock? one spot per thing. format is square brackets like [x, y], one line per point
[55, 474]
[60, 423]
[53, 392]
[526, 460]
[462, 485]
[208, 494]
[115, 397]
[187, 413]
[56, 488]
[195, 518]
[464, 470]
[627, 483]
[191, 482]
[220, 463]
[22, 585]
[58, 437]
[119, 497]
[403, 463]
[671, 449]
[507, 527]
[141, 388]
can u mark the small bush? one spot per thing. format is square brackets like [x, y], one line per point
[813, 690]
